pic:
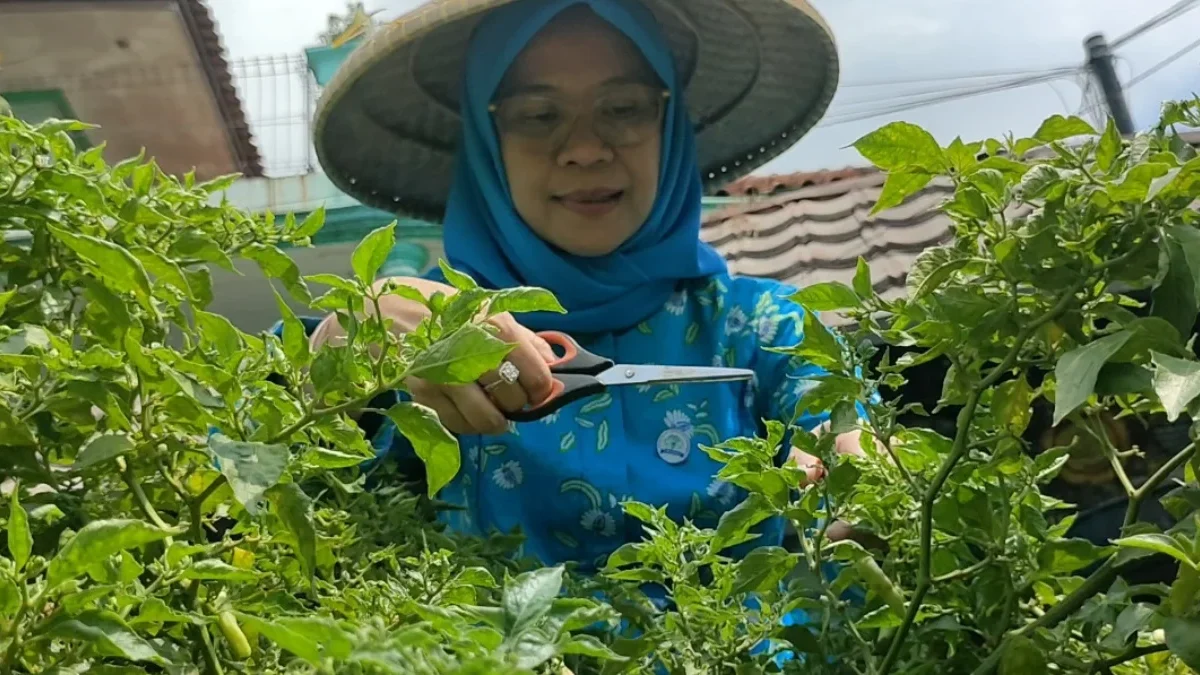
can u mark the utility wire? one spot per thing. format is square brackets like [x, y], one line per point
[1161, 64]
[943, 78]
[1164, 17]
[895, 106]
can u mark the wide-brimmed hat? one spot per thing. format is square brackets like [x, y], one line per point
[758, 75]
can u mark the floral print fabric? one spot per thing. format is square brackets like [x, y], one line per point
[561, 480]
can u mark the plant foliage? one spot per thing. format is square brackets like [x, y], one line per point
[181, 496]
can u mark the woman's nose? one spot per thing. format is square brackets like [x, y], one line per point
[582, 146]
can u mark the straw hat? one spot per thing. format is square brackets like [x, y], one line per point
[759, 74]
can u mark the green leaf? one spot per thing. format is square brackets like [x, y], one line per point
[587, 645]
[1057, 128]
[251, 468]
[276, 264]
[1109, 147]
[1022, 656]
[1131, 621]
[1161, 183]
[10, 597]
[901, 146]
[528, 598]
[1177, 383]
[295, 339]
[218, 570]
[108, 635]
[524, 299]
[333, 459]
[162, 267]
[1159, 543]
[218, 332]
[1183, 639]
[931, 269]
[1188, 238]
[20, 539]
[113, 264]
[826, 296]
[1076, 372]
[372, 252]
[762, 569]
[1135, 185]
[103, 448]
[898, 186]
[1012, 405]
[312, 223]
[1063, 556]
[736, 522]
[1176, 298]
[459, 280]
[862, 279]
[432, 442]
[312, 638]
[818, 345]
[196, 244]
[461, 357]
[294, 509]
[98, 540]
[333, 281]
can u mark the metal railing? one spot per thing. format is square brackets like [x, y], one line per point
[277, 95]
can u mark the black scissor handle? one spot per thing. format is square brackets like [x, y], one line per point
[573, 377]
[575, 360]
[567, 388]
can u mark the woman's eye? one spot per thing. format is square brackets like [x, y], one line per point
[624, 109]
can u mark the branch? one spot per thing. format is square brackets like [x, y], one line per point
[1152, 483]
[957, 451]
[139, 495]
[1107, 665]
[965, 572]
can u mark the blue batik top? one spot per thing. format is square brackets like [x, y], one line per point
[562, 480]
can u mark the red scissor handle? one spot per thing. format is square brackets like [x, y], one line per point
[573, 377]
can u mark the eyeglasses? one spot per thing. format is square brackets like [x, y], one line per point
[622, 115]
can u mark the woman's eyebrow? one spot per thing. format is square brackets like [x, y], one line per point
[544, 88]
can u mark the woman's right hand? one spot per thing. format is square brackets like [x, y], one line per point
[466, 408]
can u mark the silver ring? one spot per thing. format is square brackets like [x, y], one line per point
[508, 375]
[508, 372]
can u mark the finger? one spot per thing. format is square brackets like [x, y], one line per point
[477, 409]
[430, 395]
[534, 377]
[509, 397]
[813, 469]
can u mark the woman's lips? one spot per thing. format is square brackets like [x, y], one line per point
[591, 203]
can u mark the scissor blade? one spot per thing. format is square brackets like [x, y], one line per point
[624, 374]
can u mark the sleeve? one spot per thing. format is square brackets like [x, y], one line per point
[782, 379]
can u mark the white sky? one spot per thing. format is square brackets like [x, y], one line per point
[882, 40]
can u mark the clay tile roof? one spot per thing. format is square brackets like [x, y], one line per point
[817, 233]
[756, 186]
[208, 41]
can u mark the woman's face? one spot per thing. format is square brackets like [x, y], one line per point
[580, 121]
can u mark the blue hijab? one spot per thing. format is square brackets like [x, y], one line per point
[486, 238]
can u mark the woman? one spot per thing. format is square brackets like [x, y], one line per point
[574, 164]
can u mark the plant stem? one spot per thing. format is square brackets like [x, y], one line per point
[1107, 665]
[140, 496]
[1111, 452]
[957, 451]
[1152, 483]
[965, 572]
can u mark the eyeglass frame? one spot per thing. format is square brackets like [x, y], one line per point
[494, 106]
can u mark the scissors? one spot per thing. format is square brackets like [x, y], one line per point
[579, 373]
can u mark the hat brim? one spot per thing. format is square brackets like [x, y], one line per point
[759, 74]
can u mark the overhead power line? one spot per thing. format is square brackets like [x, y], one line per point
[900, 104]
[1161, 64]
[1166, 16]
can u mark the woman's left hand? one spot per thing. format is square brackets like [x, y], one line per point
[848, 443]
